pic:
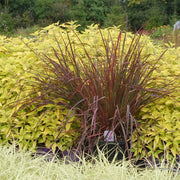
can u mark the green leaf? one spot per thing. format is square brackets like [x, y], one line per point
[157, 153]
[41, 140]
[176, 144]
[37, 134]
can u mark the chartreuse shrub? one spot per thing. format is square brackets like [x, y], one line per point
[31, 128]
[160, 129]
[47, 122]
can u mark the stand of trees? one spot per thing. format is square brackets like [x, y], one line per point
[150, 14]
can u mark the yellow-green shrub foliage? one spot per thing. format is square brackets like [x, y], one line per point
[30, 128]
[34, 128]
[160, 128]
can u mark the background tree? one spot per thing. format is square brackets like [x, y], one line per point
[117, 14]
[150, 14]
[87, 12]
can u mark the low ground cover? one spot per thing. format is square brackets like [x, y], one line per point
[20, 165]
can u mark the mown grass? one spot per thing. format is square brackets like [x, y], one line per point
[20, 165]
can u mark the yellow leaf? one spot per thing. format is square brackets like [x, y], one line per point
[168, 143]
[169, 102]
[27, 136]
[174, 151]
[145, 109]
[54, 147]
[47, 131]
[68, 126]
[177, 138]
[146, 116]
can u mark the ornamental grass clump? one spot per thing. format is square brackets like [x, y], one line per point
[104, 85]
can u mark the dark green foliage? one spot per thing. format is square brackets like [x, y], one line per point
[96, 10]
[43, 9]
[19, 6]
[156, 16]
[87, 12]
[22, 12]
[60, 12]
[26, 13]
[79, 14]
[50, 10]
[117, 16]
[6, 22]
[149, 14]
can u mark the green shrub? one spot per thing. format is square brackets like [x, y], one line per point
[116, 17]
[147, 14]
[23, 21]
[161, 32]
[156, 18]
[6, 22]
[87, 12]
